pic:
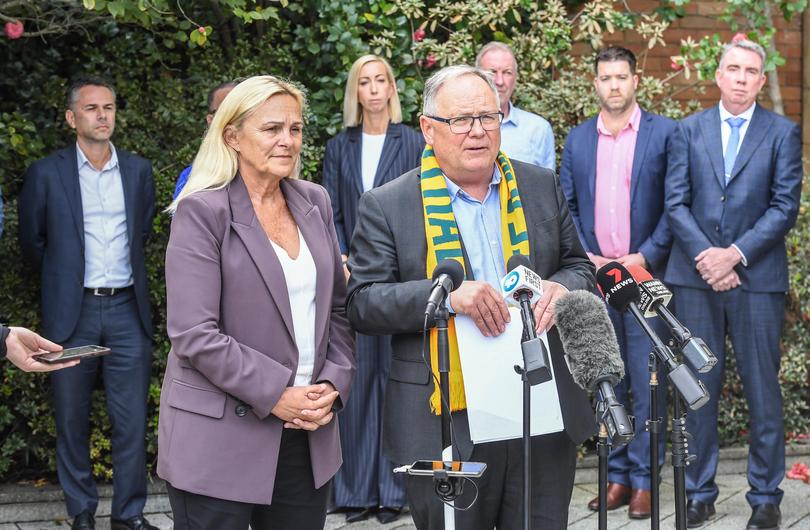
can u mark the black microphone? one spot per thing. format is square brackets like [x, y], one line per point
[520, 285]
[593, 356]
[654, 299]
[622, 293]
[447, 277]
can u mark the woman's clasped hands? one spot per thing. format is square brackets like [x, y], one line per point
[306, 407]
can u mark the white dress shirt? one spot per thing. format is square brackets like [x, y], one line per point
[371, 152]
[106, 243]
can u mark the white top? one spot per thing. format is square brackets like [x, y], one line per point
[300, 277]
[371, 153]
[725, 128]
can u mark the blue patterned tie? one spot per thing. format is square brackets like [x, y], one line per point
[733, 144]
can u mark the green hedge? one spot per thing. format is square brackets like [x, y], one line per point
[162, 88]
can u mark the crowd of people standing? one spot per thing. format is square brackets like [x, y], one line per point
[296, 383]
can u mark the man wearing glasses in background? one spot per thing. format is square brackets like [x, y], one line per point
[480, 195]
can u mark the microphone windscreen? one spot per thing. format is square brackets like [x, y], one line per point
[639, 273]
[451, 268]
[516, 260]
[617, 285]
[588, 339]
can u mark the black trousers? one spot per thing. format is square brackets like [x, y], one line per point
[295, 504]
[500, 489]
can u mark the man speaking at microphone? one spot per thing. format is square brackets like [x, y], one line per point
[467, 202]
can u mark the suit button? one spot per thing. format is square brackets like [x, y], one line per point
[241, 410]
[717, 228]
[722, 198]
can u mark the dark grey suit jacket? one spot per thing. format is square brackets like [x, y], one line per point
[233, 343]
[754, 210]
[388, 292]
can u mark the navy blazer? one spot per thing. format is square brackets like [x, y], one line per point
[52, 234]
[649, 232]
[754, 211]
[343, 173]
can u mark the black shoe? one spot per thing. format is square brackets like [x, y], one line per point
[765, 517]
[83, 521]
[355, 515]
[697, 513]
[136, 523]
[386, 514]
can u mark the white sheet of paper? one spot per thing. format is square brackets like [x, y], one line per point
[495, 391]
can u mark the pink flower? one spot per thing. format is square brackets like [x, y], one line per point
[738, 37]
[675, 65]
[201, 30]
[14, 30]
[430, 61]
[419, 34]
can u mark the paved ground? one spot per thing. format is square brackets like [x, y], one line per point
[25, 507]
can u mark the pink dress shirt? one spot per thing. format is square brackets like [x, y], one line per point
[614, 167]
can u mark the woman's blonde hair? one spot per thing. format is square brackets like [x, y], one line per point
[352, 110]
[216, 163]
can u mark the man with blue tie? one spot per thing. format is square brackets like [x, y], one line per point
[733, 189]
[85, 214]
[612, 172]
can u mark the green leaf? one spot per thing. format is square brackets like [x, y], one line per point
[89, 4]
[313, 48]
[117, 8]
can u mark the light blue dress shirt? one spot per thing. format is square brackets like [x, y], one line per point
[479, 223]
[106, 244]
[528, 137]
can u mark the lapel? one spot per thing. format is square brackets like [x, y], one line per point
[390, 150]
[713, 142]
[308, 218]
[757, 131]
[640, 153]
[354, 134]
[246, 225]
[591, 142]
[69, 177]
[130, 185]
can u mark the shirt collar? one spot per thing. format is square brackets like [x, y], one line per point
[513, 116]
[633, 123]
[82, 158]
[454, 190]
[746, 115]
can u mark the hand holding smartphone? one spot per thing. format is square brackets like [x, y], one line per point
[70, 354]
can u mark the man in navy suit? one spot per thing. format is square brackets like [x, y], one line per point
[612, 172]
[85, 213]
[733, 188]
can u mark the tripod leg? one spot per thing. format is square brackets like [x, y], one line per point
[653, 426]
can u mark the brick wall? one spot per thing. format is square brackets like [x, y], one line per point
[701, 19]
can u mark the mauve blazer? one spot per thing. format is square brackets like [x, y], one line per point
[233, 347]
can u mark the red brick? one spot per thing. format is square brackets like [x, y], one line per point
[710, 8]
[698, 22]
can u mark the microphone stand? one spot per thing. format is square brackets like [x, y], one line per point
[680, 455]
[654, 428]
[443, 484]
[527, 447]
[603, 445]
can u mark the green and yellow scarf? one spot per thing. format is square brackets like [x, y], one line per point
[444, 242]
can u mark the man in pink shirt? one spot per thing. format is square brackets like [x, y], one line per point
[612, 172]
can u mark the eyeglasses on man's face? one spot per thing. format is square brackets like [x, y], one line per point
[464, 124]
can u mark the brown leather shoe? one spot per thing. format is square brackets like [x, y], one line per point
[640, 505]
[617, 496]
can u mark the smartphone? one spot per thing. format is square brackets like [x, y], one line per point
[454, 468]
[82, 352]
